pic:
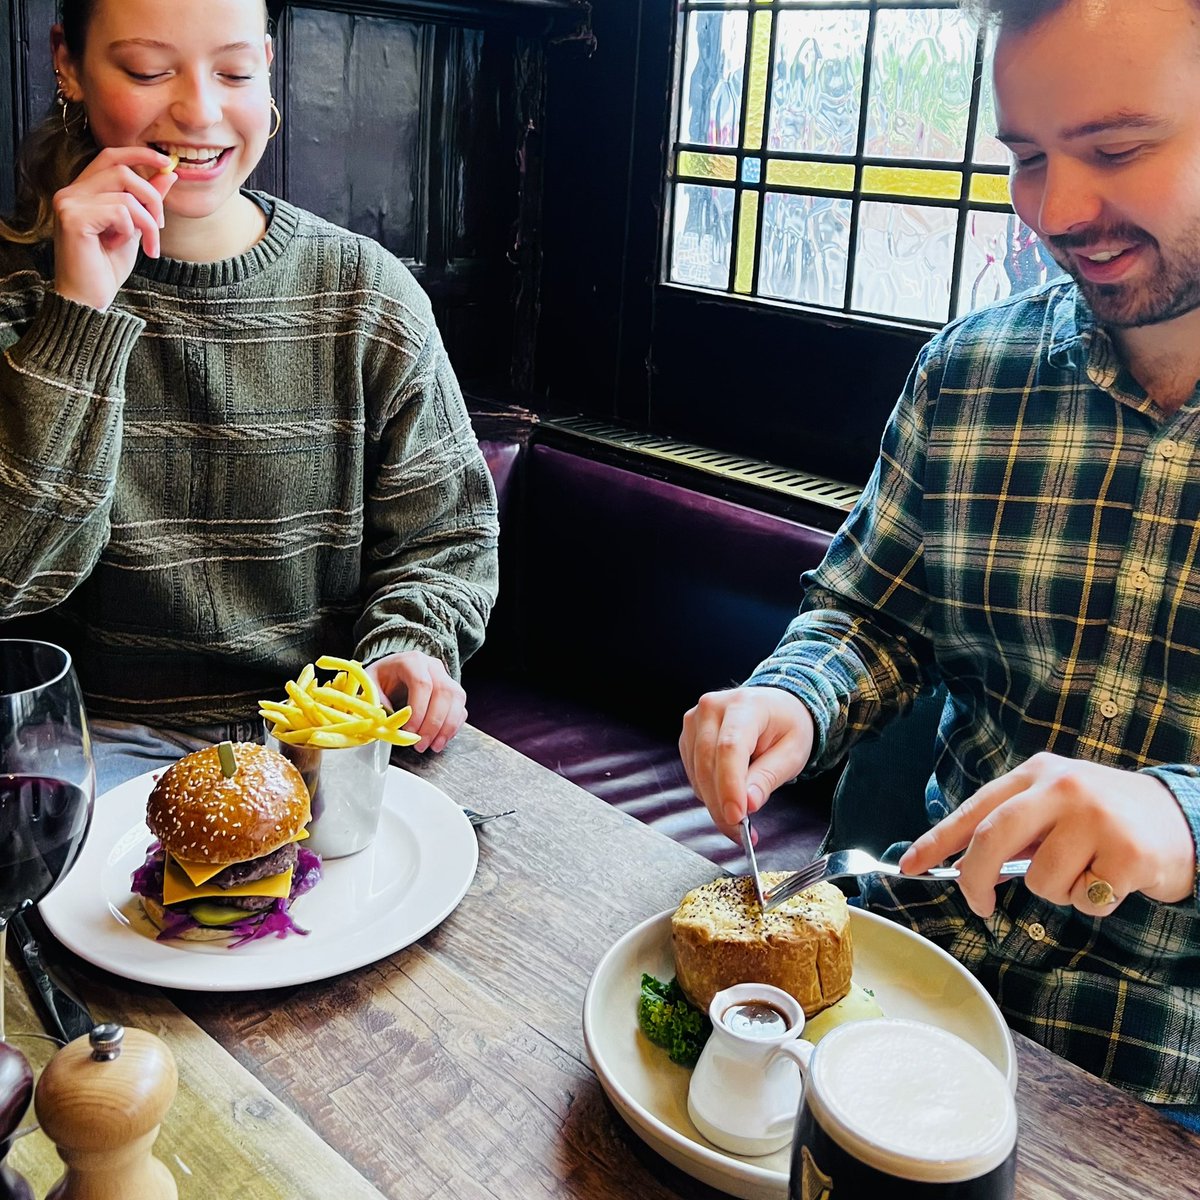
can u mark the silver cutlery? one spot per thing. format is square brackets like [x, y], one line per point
[478, 819]
[841, 863]
[65, 1014]
[748, 847]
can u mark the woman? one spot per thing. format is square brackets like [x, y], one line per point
[230, 439]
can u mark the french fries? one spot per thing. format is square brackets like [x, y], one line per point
[336, 715]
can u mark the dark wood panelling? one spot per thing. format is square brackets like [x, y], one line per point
[545, 16]
[8, 94]
[353, 98]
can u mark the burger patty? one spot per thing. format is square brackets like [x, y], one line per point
[256, 868]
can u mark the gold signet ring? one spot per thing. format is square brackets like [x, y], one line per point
[1100, 893]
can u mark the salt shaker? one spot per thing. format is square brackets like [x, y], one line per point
[101, 1101]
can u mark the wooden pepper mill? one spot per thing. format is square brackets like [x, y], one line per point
[101, 1100]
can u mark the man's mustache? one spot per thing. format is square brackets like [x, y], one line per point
[1101, 235]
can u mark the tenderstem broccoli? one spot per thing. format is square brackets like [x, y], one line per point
[670, 1020]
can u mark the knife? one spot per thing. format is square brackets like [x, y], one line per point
[65, 1016]
[748, 847]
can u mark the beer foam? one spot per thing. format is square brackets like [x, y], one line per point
[912, 1100]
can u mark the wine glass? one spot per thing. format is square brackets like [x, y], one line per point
[47, 781]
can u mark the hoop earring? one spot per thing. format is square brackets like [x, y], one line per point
[64, 106]
[278, 119]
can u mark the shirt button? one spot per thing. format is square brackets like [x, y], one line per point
[1140, 579]
[1168, 449]
[1037, 931]
[1109, 709]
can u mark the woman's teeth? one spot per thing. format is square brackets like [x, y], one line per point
[189, 156]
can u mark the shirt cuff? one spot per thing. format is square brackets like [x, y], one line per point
[1183, 782]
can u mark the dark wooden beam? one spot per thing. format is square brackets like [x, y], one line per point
[556, 17]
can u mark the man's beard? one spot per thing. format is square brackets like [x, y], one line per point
[1172, 290]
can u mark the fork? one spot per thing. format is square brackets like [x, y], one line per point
[478, 819]
[840, 863]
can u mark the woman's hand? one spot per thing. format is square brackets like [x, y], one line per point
[1078, 822]
[438, 702]
[104, 217]
[739, 746]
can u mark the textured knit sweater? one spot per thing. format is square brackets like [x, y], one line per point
[237, 467]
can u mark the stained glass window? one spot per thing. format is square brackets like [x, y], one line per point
[839, 156]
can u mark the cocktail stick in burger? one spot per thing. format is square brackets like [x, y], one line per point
[227, 862]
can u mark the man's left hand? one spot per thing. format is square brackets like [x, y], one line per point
[438, 702]
[1079, 822]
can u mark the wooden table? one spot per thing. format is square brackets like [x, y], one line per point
[456, 1067]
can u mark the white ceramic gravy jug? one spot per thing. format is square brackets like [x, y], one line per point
[744, 1093]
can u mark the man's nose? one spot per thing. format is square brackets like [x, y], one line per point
[1069, 200]
[195, 104]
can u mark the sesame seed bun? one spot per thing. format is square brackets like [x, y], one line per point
[201, 816]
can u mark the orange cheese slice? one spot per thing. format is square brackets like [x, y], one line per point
[177, 886]
[199, 872]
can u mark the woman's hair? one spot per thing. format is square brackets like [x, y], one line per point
[56, 150]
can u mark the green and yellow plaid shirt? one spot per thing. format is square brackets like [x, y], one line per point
[1031, 537]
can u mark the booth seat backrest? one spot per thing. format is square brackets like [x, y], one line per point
[642, 594]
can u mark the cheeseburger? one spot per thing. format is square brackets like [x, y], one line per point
[227, 862]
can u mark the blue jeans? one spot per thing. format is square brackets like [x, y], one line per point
[123, 750]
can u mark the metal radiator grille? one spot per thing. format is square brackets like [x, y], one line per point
[784, 480]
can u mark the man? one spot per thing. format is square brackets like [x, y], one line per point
[1031, 538]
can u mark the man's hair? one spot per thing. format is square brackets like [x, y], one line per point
[1013, 15]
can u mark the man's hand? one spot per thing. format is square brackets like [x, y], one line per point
[739, 746]
[1078, 821]
[438, 702]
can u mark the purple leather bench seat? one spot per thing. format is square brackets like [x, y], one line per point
[624, 598]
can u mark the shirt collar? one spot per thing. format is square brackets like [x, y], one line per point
[1078, 339]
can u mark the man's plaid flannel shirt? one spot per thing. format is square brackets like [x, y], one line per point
[1031, 536]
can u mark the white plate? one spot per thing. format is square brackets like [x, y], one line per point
[911, 977]
[365, 907]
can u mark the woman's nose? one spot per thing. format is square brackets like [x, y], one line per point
[195, 104]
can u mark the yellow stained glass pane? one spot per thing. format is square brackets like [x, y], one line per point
[707, 166]
[743, 278]
[989, 189]
[830, 177]
[760, 64]
[913, 181]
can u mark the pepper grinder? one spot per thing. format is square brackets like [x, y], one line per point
[101, 1100]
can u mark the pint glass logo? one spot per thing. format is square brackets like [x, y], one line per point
[814, 1183]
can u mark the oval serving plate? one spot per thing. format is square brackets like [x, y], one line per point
[911, 977]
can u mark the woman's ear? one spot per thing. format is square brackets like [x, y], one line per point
[64, 66]
[270, 50]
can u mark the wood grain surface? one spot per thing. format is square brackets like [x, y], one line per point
[456, 1067]
[224, 1136]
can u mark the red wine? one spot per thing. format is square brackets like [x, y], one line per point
[42, 824]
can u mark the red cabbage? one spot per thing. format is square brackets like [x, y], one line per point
[147, 880]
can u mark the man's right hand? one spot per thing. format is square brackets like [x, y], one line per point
[739, 746]
[103, 218]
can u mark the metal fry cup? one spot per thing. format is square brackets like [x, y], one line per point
[346, 789]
